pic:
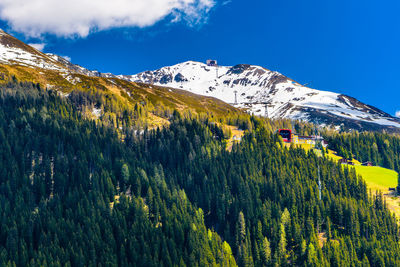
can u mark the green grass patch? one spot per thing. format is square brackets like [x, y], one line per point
[235, 132]
[378, 178]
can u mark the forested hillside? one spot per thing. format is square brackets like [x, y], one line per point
[79, 191]
[380, 148]
[264, 200]
[59, 174]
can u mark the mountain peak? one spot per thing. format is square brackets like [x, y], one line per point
[267, 93]
[9, 41]
[254, 88]
[14, 51]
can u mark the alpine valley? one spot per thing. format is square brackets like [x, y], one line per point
[184, 166]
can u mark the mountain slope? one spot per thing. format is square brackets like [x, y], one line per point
[13, 51]
[257, 87]
[104, 95]
[76, 192]
[89, 193]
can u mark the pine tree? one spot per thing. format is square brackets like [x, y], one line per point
[266, 252]
[282, 242]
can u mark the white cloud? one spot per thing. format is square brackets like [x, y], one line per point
[70, 18]
[39, 46]
[397, 114]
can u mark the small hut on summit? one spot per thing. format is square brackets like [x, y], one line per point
[212, 62]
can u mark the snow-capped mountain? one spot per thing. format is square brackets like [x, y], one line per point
[256, 89]
[13, 51]
[267, 93]
[16, 52]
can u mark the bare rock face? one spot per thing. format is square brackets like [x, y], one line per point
[180, 78]
[238, 69]
[167, 78]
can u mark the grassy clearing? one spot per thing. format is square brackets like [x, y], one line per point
[377, 178]
[156, 121]
[322, 239]
[334, 156]
[380, 179]
[116, 201]
[236, 136]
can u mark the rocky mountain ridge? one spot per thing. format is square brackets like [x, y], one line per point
[268, 93]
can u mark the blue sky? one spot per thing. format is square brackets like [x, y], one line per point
[349, 47]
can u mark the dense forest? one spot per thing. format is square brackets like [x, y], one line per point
[82, 192]
[59, 175]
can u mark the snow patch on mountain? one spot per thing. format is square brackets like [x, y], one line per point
[262, 92]
[258, 90]
[13, 51]
[15, 55]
